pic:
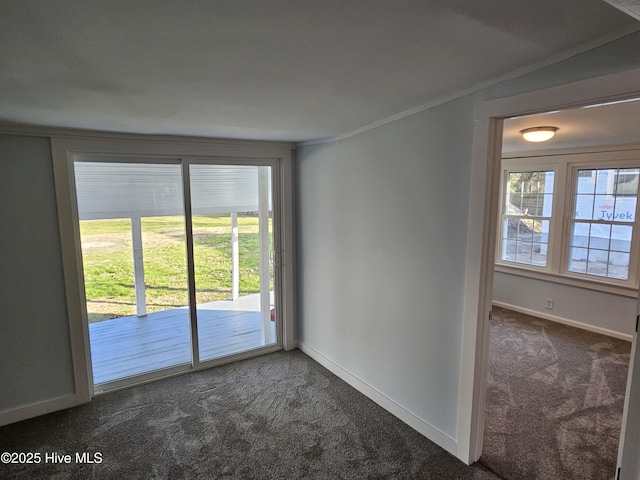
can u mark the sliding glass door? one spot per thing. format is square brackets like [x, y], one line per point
[231, 212]
[176, 259]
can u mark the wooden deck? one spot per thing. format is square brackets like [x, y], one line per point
[128, 346]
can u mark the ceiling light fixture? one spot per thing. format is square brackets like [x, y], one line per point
[538, 134]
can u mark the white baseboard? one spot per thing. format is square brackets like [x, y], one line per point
[565, 321]
[418, 424]
[36, 409]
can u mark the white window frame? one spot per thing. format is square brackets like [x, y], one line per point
[565, 164]
[523, 165]
[632, 279]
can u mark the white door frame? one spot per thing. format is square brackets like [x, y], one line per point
[63, 150]
[483, 215]
[628, 451]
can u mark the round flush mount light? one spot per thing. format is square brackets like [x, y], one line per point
[538, 134]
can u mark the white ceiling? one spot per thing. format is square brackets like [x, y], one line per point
[276, 70]
[604, 125]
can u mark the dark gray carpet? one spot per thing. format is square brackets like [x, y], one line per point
[279, 416]
[554, 400]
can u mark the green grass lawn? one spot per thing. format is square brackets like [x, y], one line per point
[108, 262]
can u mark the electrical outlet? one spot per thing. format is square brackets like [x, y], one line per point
[549, 304]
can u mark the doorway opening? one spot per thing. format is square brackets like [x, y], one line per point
[178, 263]
[564, 294]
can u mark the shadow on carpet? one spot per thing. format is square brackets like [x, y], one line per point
[555, 397]
[278, 416]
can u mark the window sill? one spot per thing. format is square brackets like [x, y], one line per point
[563, 279]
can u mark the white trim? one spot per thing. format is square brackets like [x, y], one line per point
[570, 219]
[72, 271]
[23, 412]
[264, 253]
[519, 72]
[628, 461]
[182, 369]
[142, 379]
[194, 336]
[421, 426]
[286, 255]
[483, 217]
[139, 286]
[554, 152]
[553, 218]
[96, 135]
[565, 321]
[565, 166]
[483, 213]
[164, 150]
[275, 155]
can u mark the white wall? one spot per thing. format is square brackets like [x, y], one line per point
[382, 226]
[382, 238]
[601, 312]
[35, 350]
[379, 214]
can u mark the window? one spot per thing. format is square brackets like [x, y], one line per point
[602, 222]
[571, 215]
[526, 216]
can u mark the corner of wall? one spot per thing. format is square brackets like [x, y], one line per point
[415, 422]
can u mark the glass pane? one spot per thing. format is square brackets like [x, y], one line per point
[580, 235]
[529, 204]
[506, 227]
[583, 207]
[603, 206]
[597, 262]
[619, 265]
[133, 249]
[529, 195]
[543, 234]
[627, 181]
[530, 182]
[537, 206]
[515, 183]
[599, 236]
[540, 206]
[547, 202]
[546, 182]
[586, 181]
[539, 255]
[578, 260]
[232, 229]
[604, 247]
[621, 238]
[513, 227]
[523, 254]
[625, 209]
[605, 181]
[600, 249]
[515, 204]
[509, 239]
[509, 250]
[525, 231]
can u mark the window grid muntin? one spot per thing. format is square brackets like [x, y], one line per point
[603, 256]
[525, 228]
